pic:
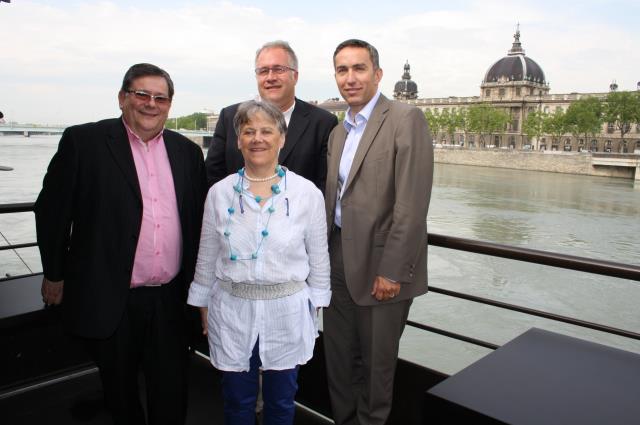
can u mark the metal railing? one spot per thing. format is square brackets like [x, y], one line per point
[553, 259]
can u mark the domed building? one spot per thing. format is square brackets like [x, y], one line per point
[514, 76]
[518, 85]
[406, 88]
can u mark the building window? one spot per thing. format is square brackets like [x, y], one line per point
[567, 145]
[546, 109]
[512, 142]
[594, 145]
[531, 90]
[487, 92]
[558, 108]
[607, 146]
[625, 148]
[514, 125]
[517, 91]
[496, 141]
[500, 92]
[610, 128]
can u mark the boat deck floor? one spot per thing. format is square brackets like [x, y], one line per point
[77, 399]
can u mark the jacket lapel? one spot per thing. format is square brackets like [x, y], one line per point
[175, 154]
[297, 125]
[378, 116]
[118, 144]
[337, 141]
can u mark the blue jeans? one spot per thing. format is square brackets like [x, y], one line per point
[240, 393]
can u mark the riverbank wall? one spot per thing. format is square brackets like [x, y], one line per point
[550, 161]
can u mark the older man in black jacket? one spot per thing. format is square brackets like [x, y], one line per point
[305, 147]
[118, 224]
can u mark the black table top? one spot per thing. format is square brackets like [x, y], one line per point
[542, 377]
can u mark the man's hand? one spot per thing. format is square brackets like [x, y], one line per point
[52, 291]
[384, 289]
[204, 313]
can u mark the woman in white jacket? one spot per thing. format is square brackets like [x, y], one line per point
[262, 272]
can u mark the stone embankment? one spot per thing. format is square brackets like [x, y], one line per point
[551, 161]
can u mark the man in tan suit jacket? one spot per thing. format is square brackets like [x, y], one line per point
[380, 169]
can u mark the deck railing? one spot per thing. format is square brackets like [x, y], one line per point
[547, 258]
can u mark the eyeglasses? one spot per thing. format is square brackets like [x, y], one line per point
[276, 69]
[146, 97]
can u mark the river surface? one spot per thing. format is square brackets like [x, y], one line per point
[596, 217]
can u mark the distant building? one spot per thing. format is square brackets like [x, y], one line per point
[517, 84]
[405, 89]
[212, 120]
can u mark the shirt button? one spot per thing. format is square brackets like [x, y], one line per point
[157, 252]
[157, 226]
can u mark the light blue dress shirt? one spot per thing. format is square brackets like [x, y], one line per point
[355, 129]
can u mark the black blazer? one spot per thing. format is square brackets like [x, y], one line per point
[88, 217]
[305, 146]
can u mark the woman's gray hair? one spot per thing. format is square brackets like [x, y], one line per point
[249, 109]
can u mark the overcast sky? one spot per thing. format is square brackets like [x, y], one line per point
[63, 61]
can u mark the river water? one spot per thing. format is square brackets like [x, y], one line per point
[595, 217]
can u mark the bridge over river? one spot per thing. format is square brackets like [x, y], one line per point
[201, 137]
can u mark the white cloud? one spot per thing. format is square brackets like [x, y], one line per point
[64, 63]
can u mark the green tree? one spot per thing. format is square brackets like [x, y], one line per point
[340, 116]
[451, 121]
[555, 125]
[487, 120]
[465, 123]
[622, 110]
[435, 123]
[533, 125]
[195, 121]
[584, 117]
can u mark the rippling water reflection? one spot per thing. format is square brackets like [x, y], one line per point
[580, 215]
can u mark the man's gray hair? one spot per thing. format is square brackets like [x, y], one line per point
[248, 110]
[280, 44]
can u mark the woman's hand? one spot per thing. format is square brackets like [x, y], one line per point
[204, 312]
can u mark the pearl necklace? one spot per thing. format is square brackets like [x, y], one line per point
[239, 191]
[259, 179]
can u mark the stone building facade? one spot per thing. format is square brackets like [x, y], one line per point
[517, 84]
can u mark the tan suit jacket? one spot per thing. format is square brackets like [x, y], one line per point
[385, 201]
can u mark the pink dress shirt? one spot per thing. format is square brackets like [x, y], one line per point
[159, 250]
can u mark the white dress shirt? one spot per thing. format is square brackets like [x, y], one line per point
[294, 250]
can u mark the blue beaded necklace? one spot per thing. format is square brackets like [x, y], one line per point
[240, 192]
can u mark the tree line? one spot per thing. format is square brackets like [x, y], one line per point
[583, 118]
[195, 121]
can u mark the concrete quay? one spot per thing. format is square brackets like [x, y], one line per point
[593, 164]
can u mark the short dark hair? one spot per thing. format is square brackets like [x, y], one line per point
[354, 42]
[250, 108]
[145, 70]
